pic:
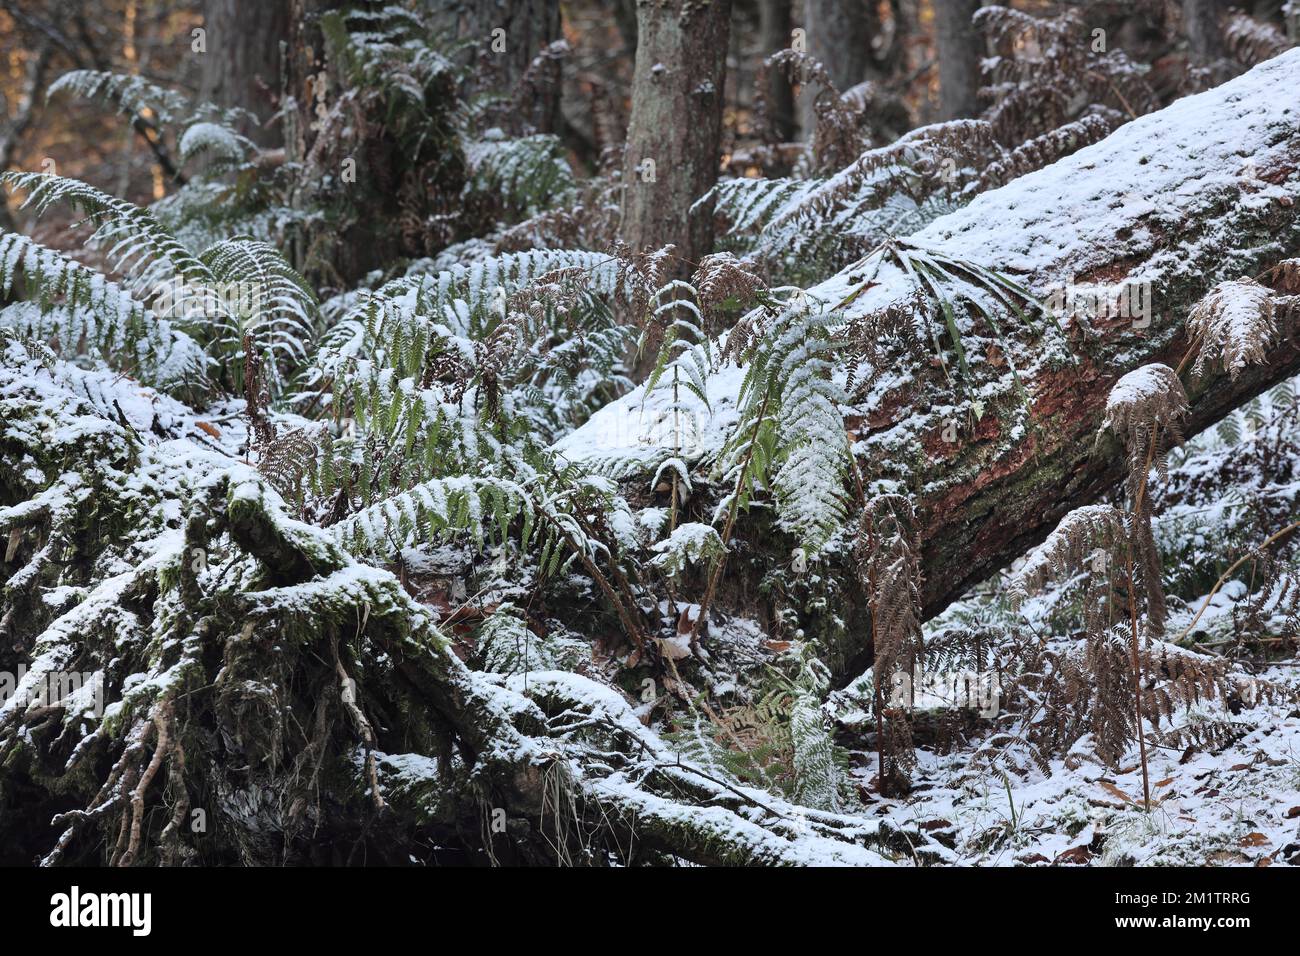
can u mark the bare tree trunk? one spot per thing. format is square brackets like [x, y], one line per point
[774, 35]
[1201, 26]
[839, 37]
[241, 65]
[508, 35]
[676, 125]
[959, 50]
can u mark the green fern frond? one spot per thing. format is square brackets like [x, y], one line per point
[479, 508]
[266, 300]
[134, 94]
[137, 243]
[222, 145]
[689, 544]
[792, 427]
[81, 310]
[504, 644]
[520, 177]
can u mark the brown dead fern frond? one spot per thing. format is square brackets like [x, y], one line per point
[1044, 73]
[1209, 736]
[642, 273]
[720, 278]
[286, 458]
[1109, 691]
[1146, 409]
[1082, 541]
[558, 291]
[888, 552]
[1234, 325]
[1285, 276]
[1273, 610]
[1250, 41]
[836, 136]
[1050, 146]
[874, 336]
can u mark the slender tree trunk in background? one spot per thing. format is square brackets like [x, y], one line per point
[303, 60]
[676, 125]
[774, 35]
[959, 48]
[34, 83]
[625, 20]
[839, 37]
[507, 36]
[1201, 27]
[241, 66]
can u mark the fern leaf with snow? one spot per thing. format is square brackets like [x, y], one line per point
[79, 308]
[505, 644]
[688, 545]
[221, 144]
[271, 307]
[135, 242]
[818, 777]
[134, 94]
[1234, 326]
[788, 383]
[520, 176]
[1069, 548]
[481, 508]
[1146, 408]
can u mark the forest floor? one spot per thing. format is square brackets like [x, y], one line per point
[1236, 807]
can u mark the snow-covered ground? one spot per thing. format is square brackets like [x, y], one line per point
[1239, 806]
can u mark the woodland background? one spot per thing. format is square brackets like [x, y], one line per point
[665, 432]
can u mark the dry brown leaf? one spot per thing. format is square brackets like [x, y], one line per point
[1112, 789]
[1077, 854]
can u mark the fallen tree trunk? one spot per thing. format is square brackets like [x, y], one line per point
[1153, 216]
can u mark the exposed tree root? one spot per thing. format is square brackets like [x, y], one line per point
[269, 700]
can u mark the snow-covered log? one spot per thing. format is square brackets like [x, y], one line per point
[1118, 241]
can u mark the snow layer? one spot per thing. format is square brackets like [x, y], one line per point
[1114, 201]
